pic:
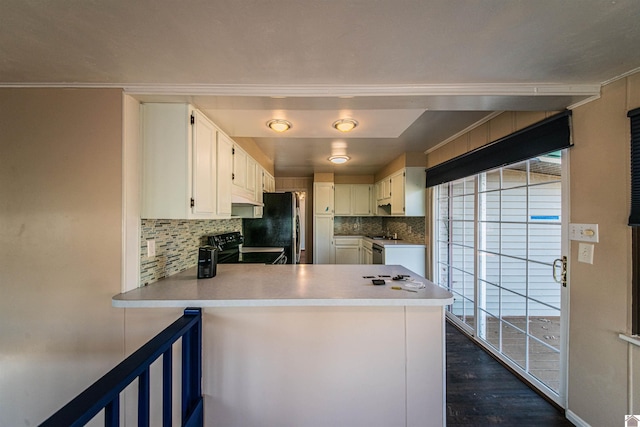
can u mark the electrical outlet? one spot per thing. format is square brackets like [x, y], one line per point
[585, 253]
[151, 248]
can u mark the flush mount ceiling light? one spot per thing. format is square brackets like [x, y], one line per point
[278, 125]
[339, 159]
[345, 125]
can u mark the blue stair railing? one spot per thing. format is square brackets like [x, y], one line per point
[105, 393]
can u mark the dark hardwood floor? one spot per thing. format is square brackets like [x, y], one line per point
[482, 392]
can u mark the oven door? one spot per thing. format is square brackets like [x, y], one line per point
[378, 254]
[262, 255]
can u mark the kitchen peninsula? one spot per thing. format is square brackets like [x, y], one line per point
[314, 345]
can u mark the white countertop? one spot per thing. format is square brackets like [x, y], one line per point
[383, 242]
[260, 285]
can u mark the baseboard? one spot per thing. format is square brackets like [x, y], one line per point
[579, 422]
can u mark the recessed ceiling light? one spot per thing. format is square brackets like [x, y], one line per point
[338, 160]
[345, 125]
[278, 125]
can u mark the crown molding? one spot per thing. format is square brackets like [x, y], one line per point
[471, 89]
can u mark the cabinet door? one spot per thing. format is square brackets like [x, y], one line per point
[239, 168]
[360, 200]
[397, 193]
[204, 162]
[323, 198]
[251, 175]
[347, 255]
[224, 173]
[343, 199]
[323, 239]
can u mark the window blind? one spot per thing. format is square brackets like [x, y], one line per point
[544, 137]
[634, 217]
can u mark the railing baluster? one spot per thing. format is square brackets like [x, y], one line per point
[167, 384]
[186, 375]
[143, 399]
[112, 413]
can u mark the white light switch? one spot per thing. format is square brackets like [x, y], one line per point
[151, 248]
[584, 232]
[585, 253]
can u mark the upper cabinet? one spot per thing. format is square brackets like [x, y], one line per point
[181, 176]
[406, 193]
[353, 199]
[323, 198]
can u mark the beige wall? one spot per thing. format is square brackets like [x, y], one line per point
[354, 179]
[600, 294]
[60, 234]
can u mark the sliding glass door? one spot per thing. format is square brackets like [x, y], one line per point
[498, 234]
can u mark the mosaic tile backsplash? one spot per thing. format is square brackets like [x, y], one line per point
[177, 243]
[411, 229]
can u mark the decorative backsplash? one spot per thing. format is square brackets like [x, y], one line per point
[177, 243]
[411, 229]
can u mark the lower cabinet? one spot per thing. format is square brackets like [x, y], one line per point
[366, 254]
[412, 258]
[347, 250]
[323, 252]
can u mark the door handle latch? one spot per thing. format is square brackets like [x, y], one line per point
[560, 264]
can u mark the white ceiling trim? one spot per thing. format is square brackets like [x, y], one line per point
[480, 89]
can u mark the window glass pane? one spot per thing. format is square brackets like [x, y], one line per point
[491, 180]
[490, 236]
[514, 175]
[513, 240]
[544, 364]
[457, 188]
[514, 344]
[490, 298]
[489, 206]
[514, 205]
[491, 331]
[514, 308]
[545, 202]
[542, 286]
[544, 242]
[489, 267]
[545, 168]
[544, 324]
[513, 274]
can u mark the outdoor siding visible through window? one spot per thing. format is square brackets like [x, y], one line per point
[498, 234]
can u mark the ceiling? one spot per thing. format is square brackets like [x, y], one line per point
[413, 73]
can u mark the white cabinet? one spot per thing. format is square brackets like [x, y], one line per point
[323, 198]
[366, 254]
[347, 250]
[180, 174]
[406, 193]
[224, 173]
[342, 199]
[361, 199]
[323, 252]
[397, 193]
[353, 199]
[269, 182]
[411, 257]
[239, 169]
[383, 191]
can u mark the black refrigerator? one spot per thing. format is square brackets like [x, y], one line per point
[278, 227]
